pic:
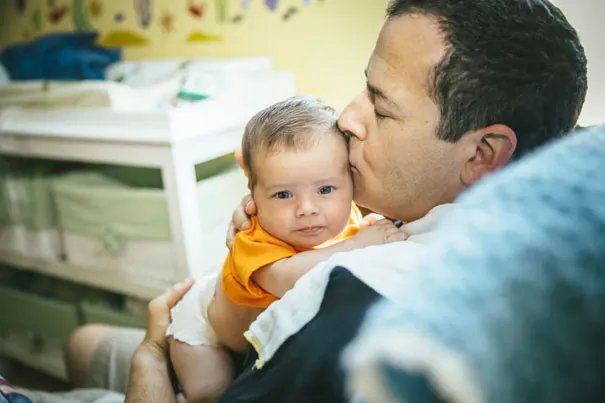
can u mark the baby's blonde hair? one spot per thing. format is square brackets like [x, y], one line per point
[286, 125]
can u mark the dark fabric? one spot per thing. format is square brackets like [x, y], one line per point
[307, 368]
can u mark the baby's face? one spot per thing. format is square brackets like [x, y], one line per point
[304, 197]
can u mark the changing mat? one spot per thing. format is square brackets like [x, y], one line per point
[89, 93]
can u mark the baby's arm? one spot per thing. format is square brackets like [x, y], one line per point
[204, 372]
[279, 277]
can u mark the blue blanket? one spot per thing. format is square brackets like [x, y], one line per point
[511, 306]
[60, 56]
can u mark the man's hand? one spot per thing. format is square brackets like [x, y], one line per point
[381, 232]
[370, 220]
[158, 318]
[149, 374]
[240, 220]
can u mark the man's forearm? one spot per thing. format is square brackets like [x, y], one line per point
[149, 379]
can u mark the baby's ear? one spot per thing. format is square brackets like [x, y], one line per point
[239, 158]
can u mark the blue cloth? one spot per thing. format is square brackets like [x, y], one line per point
[510, 307]
[8, 393]
[60, 56]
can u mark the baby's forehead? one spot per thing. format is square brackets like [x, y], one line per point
[316, 164]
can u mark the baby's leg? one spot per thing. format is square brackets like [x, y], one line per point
[204, 372]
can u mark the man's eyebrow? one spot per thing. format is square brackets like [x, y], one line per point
[378, 92]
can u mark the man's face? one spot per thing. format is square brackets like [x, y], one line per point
[400, 168]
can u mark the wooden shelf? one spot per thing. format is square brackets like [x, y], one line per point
[116, 281]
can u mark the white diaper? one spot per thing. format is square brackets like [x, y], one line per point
[190, 316]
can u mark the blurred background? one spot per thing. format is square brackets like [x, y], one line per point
[119, 122]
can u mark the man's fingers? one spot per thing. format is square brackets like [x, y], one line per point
[250, 207]
[370, 220]
[178, 291]
[158, 318]
[384, 221]
[230, 235]
[240, 218]
[396, 236]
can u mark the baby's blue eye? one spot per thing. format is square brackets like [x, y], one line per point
[324, 190]
[282, 195]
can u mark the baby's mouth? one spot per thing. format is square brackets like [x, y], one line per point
[311, 230]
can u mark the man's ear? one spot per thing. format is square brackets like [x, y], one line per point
[493, 148]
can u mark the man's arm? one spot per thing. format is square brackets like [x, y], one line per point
[149, 378]
[149, 375]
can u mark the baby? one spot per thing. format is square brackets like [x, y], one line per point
[297, 164]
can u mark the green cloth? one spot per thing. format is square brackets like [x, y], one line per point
[37, 315]
[90, 203]
[26, 197]
[4, 217]
[119, 204]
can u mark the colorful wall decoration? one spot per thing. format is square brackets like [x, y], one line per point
[326, 43]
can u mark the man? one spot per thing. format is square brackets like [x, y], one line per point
[455, 90]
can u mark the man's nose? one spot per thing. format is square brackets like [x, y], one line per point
[351, 121]
[306, 207]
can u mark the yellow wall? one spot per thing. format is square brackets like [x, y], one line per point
[326, 43]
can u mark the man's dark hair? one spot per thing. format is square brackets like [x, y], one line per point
[513, 62]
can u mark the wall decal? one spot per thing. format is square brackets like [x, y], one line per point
[202, 37]
[271, 4]
[37, 20]
[143, 9]
[95, 8]
[290, 12]
[56, 13]
[123, 37]
[197, 10]
[79, 16]
[166, 21]
[222, 10]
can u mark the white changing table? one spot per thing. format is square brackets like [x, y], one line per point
[173, 141]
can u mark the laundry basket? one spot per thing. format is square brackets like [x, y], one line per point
[110, 221]
[30, 222]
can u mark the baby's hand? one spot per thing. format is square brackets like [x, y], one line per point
[381, 232]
